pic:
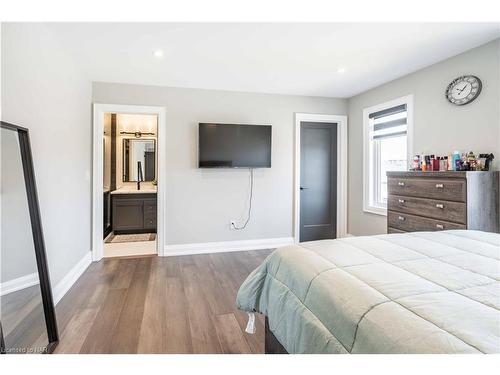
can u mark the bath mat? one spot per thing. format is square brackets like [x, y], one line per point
[140, 237]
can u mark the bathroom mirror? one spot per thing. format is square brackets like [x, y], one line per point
[27, 317]
[139, 150]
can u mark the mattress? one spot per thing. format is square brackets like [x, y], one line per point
[422, 292]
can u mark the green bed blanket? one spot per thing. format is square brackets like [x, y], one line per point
[418, 292]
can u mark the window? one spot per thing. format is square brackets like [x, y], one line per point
[387, 140]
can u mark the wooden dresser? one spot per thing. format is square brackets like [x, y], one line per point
[431, 201]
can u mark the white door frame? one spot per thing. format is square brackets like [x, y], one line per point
[97, 172]
[341, 122]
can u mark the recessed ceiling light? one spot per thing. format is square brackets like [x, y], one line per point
[341, 70]
[158, 53]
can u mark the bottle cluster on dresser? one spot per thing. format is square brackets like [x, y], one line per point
[453, 162]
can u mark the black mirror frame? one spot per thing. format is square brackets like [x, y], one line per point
[38, 241]
[123, 156]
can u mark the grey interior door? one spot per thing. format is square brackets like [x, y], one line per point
[318, 181]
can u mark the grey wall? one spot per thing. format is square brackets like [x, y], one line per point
[439, 127]
[44, 90]
[200, 203]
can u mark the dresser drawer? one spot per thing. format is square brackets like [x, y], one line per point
[412, 223]
[446, 189]
[435, 209]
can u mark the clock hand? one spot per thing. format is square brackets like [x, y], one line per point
[463, 88]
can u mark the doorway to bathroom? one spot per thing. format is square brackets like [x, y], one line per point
[127, 182]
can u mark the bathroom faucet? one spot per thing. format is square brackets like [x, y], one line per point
[139, 175]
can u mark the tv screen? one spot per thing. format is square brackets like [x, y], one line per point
[234, 146]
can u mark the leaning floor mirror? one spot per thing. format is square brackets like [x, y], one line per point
[27, 315]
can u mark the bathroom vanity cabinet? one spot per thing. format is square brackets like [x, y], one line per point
[134, 213]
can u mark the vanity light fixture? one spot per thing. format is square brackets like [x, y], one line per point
[137, 134]
[341, 70]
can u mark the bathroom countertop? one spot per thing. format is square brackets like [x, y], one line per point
[130, 190]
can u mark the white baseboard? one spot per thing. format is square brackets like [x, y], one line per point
[226, 246]
[67, 281]
[19, 283]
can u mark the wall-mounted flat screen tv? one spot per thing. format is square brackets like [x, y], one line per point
[234, 146]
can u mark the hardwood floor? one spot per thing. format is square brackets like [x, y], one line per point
[180, 304]
[23, 321]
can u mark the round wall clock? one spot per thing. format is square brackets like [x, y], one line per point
[463, 90]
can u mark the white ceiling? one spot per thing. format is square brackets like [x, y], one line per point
[284, 58]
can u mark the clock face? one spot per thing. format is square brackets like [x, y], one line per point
[463, 90]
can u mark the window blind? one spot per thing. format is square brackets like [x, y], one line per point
[388, 111]
[390, 122]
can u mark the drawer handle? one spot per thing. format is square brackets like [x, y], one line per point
[402, 218]
[439, 226]
[439, 186]
[401, 183]
[401, 200]
[439, 205]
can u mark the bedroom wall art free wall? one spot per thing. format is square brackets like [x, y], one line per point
[51, 96]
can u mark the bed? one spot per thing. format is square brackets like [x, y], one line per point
[421, 292]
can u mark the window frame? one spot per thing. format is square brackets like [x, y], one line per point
[368, 163]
